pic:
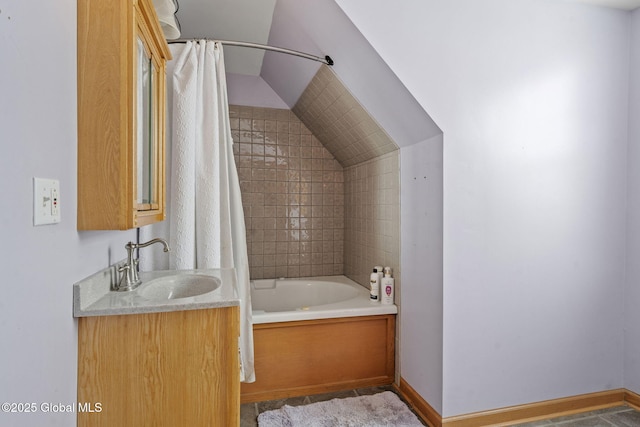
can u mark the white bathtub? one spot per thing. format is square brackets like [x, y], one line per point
[323, 297]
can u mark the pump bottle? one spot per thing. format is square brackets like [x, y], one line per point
[387, 287]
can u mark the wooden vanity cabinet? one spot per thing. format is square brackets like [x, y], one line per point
[122, 56]
[160, 369]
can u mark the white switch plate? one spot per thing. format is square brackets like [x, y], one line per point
[46, 201]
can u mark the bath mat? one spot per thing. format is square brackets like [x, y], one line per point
[378, 410]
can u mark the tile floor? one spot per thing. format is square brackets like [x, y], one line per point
[619, 416]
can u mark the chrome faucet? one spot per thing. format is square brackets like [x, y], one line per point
[130, 279]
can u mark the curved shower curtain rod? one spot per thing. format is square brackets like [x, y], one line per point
[326, 60]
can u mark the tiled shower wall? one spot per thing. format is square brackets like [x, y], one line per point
[372, 173]
[292, 194]
[343, 125]
[372, 217]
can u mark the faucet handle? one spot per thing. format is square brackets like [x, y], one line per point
[121, 284]
[130, 279]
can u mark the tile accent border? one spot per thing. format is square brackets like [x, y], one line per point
[519, 413]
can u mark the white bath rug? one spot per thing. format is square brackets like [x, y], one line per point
[378, 410]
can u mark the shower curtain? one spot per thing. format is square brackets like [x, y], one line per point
[207, 227]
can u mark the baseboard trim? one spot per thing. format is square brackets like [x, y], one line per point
[418, 404]
[632, 399]
[538, 410]
[519, 413]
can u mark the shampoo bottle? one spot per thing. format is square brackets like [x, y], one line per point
[387, 287]
[380, 273]
[374, 293]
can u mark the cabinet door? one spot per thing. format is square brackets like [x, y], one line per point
[150, 109]
[170, 369]
[121, 106]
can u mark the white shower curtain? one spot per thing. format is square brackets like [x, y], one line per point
[207, 227]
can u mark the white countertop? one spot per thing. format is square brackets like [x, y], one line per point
[93, 296]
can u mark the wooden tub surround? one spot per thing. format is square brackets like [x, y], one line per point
[316, 356]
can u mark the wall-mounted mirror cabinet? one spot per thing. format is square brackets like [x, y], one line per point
[121, 114]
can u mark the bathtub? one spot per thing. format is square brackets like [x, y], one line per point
[315, 335]
[323, 297]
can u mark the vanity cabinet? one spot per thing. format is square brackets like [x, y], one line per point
[122, 56]
[176, 368]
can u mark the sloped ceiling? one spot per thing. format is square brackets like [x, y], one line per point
[252, 21]
[340, 122]
[316, 27]
[320, 28]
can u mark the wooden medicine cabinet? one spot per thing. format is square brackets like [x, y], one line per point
[122, 56]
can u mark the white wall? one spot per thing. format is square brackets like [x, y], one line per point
[421, 264]
[532, 99]
[632, 292]
[40, 264]
[252, 91]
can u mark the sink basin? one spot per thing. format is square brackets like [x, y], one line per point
[178, 286]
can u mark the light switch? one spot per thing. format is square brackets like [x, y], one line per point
[46, 201]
